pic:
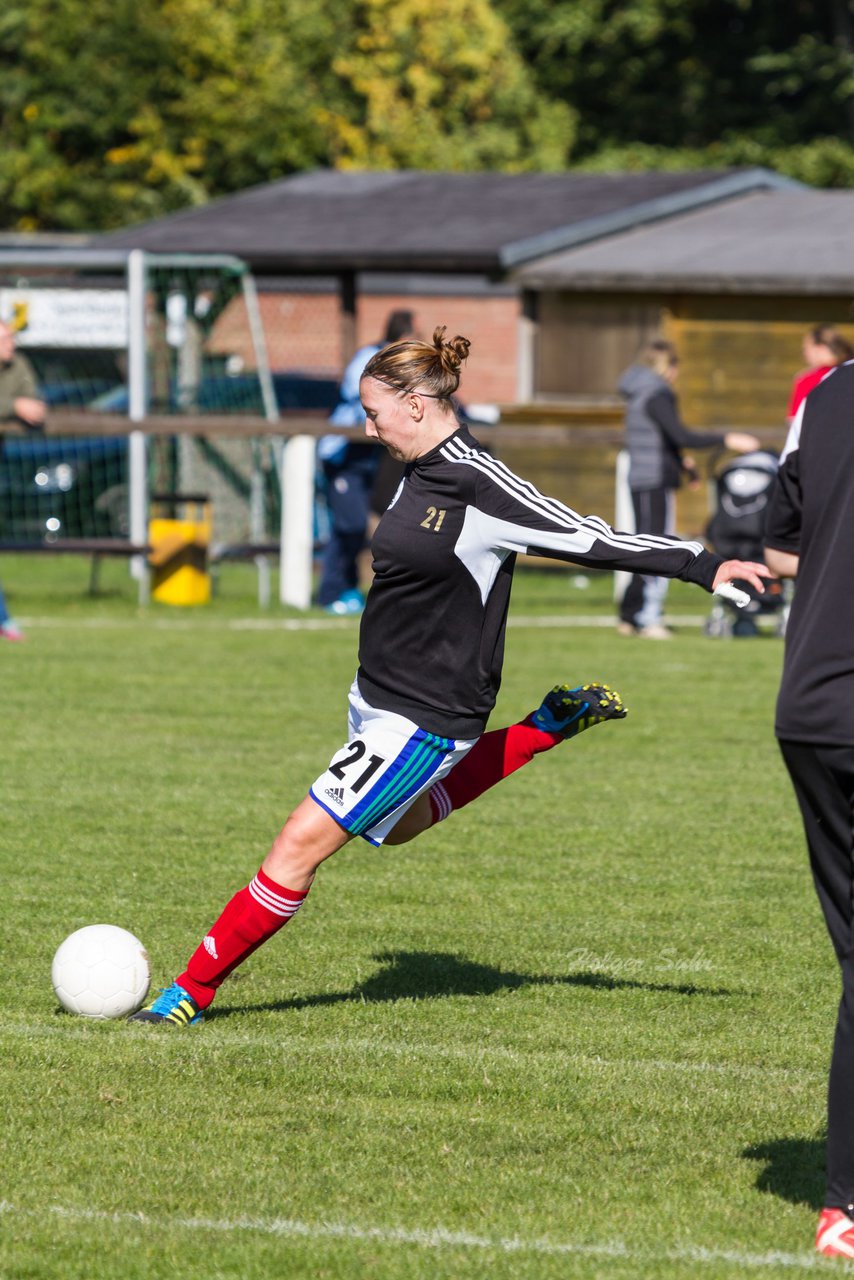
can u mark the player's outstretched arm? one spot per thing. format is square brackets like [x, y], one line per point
[744, 570]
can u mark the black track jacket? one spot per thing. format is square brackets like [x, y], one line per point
[432, 635]
[811, 513]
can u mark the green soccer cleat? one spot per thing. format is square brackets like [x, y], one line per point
[174, 1007]
[569, 712]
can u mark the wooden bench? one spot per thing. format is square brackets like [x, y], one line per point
[259, 552]
[97, 548]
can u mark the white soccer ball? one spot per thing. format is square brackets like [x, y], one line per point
[101, 971]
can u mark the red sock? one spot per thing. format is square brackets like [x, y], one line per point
[251, 917]
[492, 758]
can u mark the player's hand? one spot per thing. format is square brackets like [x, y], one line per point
[743, 571]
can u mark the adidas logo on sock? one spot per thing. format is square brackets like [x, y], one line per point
[210, 946]
[336, 794]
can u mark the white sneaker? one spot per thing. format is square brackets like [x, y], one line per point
[656, 631]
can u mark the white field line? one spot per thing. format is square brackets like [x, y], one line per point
[478, 1055]
[304, 624]
[186, 624]
[429, 1238]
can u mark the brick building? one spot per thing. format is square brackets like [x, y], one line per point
[333, 253]
[557, 279]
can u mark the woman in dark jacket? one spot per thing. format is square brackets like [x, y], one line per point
[655, 439]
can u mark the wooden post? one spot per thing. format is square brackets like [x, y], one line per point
[297, 536]
[137, 285]
[347, 294]
[526, 375]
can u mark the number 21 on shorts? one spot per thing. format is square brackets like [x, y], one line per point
[353, 769]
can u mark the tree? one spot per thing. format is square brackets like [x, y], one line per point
[114, 111]
[676, 82]
[443, 88]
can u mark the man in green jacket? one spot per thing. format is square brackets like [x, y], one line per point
[19, 402]
[19, 398]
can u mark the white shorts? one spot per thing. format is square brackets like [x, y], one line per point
[387, 763]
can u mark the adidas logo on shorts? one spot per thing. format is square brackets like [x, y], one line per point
[336, 794]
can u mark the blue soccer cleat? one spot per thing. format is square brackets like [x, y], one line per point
[569, 712]
[350, 603]
[174, 1006]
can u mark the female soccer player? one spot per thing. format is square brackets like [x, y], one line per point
[430, 652]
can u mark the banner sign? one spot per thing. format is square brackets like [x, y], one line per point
[66, 317]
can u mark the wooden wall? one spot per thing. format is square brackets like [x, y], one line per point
[570, 452]
[585, 341]
[739, 352]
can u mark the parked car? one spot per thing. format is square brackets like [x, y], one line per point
[238, 393]
[75, 395]
[76, 487]
[73, 377]
[63, 487]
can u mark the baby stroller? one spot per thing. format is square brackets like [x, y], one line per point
[742, 489]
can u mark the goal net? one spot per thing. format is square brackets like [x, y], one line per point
[155, 375]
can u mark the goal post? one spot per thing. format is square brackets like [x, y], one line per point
[175, 356]
[296, 461]
[137, 408]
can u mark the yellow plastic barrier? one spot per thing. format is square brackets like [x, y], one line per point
[179, 551]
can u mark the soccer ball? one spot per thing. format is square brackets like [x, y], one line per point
[101, 971]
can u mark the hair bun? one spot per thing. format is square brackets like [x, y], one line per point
[414, 365]
[453, 352]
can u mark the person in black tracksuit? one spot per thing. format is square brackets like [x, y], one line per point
[809, 535]
[655, 439]
[431, 650]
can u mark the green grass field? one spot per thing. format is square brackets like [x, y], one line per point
[579, 1030]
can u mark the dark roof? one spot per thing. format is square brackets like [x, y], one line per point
[792, 242]
[338, 221]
